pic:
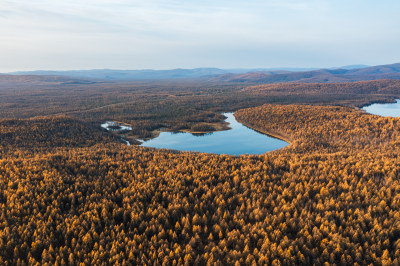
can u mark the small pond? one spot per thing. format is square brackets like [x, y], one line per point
[115, 126]
[238, 140]
[385, 109]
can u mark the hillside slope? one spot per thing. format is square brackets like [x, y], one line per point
[321, 76]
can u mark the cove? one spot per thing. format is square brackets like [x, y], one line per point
[236, 141]
[385, 109]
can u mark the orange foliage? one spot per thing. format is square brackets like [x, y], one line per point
[331, 196]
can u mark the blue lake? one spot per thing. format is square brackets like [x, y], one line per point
[385, 109]
[238, 140]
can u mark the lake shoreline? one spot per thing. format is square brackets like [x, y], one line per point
[227, 124]
[239, 140]
[219, 126]
[383, 109]
[136, 140]
[264, 132]
[383, 101]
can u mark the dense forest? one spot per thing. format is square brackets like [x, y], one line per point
[147, 106]
[71, 193]
[383, 87]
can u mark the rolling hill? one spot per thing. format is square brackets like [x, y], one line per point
[316, 76]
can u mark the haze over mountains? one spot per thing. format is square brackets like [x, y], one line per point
[146, 74]
[151, 74]
[317, 76]
[278, 75]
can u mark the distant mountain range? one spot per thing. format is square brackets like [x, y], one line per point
[150, 74]
[339, 75]
[147, 74]
[255, 76]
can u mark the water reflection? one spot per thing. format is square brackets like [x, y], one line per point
[115, 126]
[201, 134]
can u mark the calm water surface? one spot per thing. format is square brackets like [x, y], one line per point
[238, 140]
[385, 109]
[120, 127]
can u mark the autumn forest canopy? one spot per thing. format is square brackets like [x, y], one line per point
[72, 192]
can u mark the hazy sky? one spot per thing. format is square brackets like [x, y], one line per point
[164, 34]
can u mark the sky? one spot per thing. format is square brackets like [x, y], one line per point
[167, 34]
